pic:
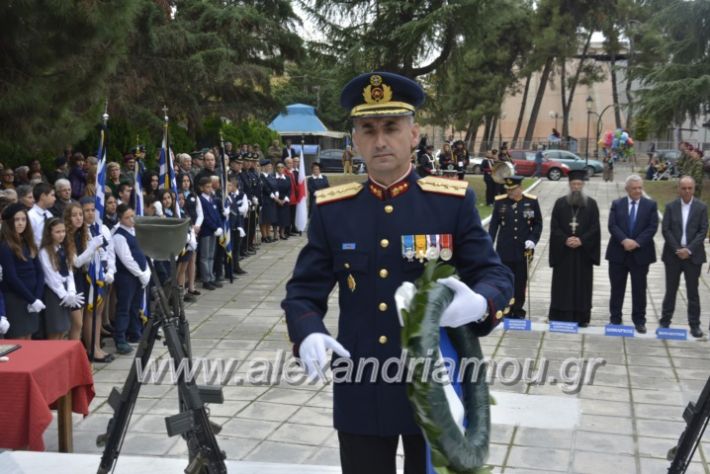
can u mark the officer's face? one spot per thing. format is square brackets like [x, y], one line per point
[386, 144]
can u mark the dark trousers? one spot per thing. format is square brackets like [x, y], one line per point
[219, 256]
[520, 274]
[691, 272]
[618, 273]
[129, 294]
[490, 189]
[236, 247]
[250, 229]
[361, 454]
[292, 227]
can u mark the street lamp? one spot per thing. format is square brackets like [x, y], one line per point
[554, 115]
[590, 104]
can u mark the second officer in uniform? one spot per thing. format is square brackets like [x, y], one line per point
[516, 223]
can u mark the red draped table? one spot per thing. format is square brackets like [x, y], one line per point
[39, 376]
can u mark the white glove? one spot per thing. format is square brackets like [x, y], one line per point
[218, 232]
[244, 206]
[96, 242]
[466, 307]
[241, 232]
[529, 245]
[225, 213]
[192, 242]
[36, 306]
[255, 201]
[0, 273]
[145, 277]
[108, 278]
[286, 199]
[4, 325]
[313, 353]
[403, 298]
[79, 299]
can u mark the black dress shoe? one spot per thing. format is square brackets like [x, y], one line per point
[641, 328]
[664, 324]
[217, 284]
[696, 332]
[208, 286]
[583, 325]
[239, 271]
[615, 321]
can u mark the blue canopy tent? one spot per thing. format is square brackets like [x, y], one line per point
[299, 121]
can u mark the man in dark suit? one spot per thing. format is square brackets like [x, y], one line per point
[633, 221]
[315, 182]
[685, 225]
[287, 151]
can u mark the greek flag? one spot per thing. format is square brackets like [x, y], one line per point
[138, 191]
[96, 267]
[167, 171]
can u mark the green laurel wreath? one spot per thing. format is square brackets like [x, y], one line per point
[451, 451]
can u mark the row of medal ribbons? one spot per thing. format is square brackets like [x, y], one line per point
[427, 247]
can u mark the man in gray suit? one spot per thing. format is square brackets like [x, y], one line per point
[685, 226]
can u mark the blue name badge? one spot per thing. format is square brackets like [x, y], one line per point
[674, 334]
[348, 246]
[618, 330]
[517, 324]
[564, 326]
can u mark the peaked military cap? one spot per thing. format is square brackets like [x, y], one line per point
[381, 94]
[512, 181]
[577, 175]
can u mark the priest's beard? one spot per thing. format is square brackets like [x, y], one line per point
[576, 199]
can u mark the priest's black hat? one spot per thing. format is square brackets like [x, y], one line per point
[577, 175]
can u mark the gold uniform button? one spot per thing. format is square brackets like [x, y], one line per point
[347, 265]
[382, 306]
[384, 243]
[499, 314]
[383, 339]
[512, 302]
[389, 208]
[506, 310]
[384, 273]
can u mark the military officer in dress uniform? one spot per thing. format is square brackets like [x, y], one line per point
[369, 238]
[517, 223]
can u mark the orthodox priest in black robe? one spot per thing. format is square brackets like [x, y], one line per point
[575, 242]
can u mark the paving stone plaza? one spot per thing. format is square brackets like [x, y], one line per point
[624, 423]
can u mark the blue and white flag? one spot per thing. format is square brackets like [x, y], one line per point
[96, 267]
[167, 171]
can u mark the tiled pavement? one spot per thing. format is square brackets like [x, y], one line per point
[629, 418]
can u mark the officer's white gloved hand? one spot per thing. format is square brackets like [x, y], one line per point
[241, 231]
[466, 307]
[313, 353]
[108, 278]
[4, 325]
[255, 201]
[529, 245]
[36, 306]
[218, 232]
[403, 298]
[0, 273]
[225, 212]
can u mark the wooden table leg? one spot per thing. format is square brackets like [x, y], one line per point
[64, 424]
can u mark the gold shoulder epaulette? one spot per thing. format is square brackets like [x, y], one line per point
[451, 187]
[501, 196]
[337, 193]
[529, 196]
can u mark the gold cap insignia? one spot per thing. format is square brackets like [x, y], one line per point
[377, 91]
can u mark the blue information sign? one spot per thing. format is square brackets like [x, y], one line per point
[618, 330]
[671, 333]
[564, 326]
[517, 324]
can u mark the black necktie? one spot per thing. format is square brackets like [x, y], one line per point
[62, 257]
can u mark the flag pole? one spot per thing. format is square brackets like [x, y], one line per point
[94, 277]
[228, 270]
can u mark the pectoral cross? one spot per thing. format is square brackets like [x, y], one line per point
[574, 224]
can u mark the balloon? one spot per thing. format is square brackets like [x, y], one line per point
[615, 144]
[630, 142]
[624, 137]
[617, 133]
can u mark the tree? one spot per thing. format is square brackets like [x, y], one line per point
[55, 64]
[676, 86]
[412, 38]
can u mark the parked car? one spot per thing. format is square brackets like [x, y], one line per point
[554, 170]
[474, 165]
[575, 162]
[331, 161]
